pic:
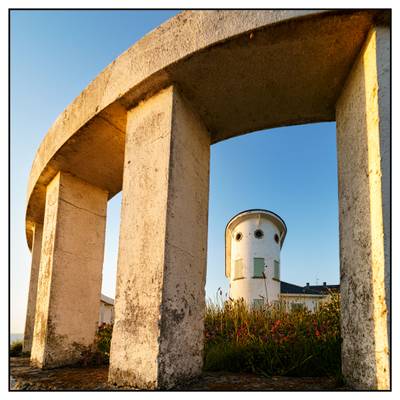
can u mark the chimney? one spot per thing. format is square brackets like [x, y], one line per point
[324, 283]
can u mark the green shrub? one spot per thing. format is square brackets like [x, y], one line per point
[272, 341]
[99, 353]
[103, 340]
[16, 348]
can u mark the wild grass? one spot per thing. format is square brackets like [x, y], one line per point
[272, 341]
[267, 340]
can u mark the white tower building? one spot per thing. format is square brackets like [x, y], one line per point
[253, 241]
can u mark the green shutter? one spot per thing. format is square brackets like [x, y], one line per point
[258, 267]
[258, 303]
[238, 269]
[277, 274]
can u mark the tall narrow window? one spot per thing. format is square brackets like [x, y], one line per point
[277, 272]
[238, 269]
[258, 267]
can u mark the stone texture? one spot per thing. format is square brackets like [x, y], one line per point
[363, 145]
[33, 283]
[68, 294]
[160, 299]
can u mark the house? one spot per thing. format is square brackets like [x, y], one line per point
[310, 297]
[106, 312]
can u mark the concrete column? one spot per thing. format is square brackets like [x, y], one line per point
[30, 310]
[160, 299]
[68, 294]
[363, 145]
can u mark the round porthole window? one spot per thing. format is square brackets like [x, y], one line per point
[238, 236]
[258, 233]
[276, 237]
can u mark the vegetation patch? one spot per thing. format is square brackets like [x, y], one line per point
[16, 348]
[272, 341]
[266, 340]
[99, 353]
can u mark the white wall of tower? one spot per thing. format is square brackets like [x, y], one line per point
[247, 249]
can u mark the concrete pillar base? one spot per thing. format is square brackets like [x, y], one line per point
[31, 308]
[160, 299]
[363, 145]
[68, 293]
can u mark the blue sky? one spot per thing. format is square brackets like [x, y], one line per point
[290, 170]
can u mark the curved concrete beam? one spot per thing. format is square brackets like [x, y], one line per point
[241, 70]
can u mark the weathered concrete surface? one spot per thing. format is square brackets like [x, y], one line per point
[363, 145]
[68, 294]
[31, 308]
[159, 307]
[241, 70]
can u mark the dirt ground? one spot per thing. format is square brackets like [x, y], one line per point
[25, 377]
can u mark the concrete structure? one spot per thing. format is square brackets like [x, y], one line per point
[165, 199]
[253, 240]
[363, 125]
[144, 125]
[31, 307]
[69, 281]
[106, 309]
[106, 313]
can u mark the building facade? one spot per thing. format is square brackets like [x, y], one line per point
[106, 312]
[308, 296]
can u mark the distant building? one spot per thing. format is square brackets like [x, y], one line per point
[253, 241]
[106, 312]
[306, 296]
